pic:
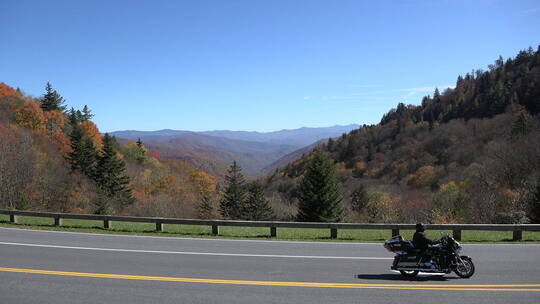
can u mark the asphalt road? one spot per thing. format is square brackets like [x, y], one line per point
[60, 267]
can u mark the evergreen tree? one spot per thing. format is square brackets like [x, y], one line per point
[257, 207]
[359, 198]
[205, 209]
[234, 196]
[330, 145]
[51, 100]
[110, 174]
[86, 114]
[73, 117]
[436, 94]
[319, 192]
[141, 155]
[83, 154]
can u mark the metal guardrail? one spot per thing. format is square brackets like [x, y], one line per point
[273, 225]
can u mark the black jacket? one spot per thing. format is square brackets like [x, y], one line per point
[421, 242]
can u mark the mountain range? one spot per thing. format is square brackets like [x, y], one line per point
[254, 151]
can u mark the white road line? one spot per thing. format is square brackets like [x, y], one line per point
[194, 239]
[307, 242]
[198, 253]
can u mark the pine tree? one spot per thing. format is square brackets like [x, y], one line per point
[330, 145]
[86, 114]
[234, 196]
[83, 154]
[205, 209]
[436, 94]
[319, 192]
[257, 207]
[51, 100]
[141, 154]
[110, 174]
[73, 117]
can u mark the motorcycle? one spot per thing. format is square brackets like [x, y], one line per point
[441, 258]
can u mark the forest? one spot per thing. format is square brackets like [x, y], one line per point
[56, 159]
[469, 154]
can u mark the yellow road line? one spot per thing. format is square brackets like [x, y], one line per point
[471, 287]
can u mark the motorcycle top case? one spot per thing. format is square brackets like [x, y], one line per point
[398, 245]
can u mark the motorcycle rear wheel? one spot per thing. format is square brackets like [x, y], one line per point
[409, 273]
[465, 269]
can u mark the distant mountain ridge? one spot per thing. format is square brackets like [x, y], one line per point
[254, 151]
[297, 137]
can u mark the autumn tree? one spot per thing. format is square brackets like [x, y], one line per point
[257, 207]
[359, 198]
[17, 163]
[111, 178]
[51, 100]
[319, 192]
[234, 195]
[523, 124]
[54, 122]
[30, 115]
[6, 91]
[205, 184]
[91, 131]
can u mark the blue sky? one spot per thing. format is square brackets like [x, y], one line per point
[252, 65]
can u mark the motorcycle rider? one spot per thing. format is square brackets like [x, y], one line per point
[421, 242]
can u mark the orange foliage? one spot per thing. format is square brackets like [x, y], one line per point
[31, 116]
[6, 91]
[54, 122]
[91, 130]
[139, 195]
[63, 141]
[204, 182]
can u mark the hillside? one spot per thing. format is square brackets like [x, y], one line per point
[468, 154]
[39, 169]
[291, 157]
[252, 156]
[210, 150]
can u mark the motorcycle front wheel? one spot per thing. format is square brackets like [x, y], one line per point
[465, 267]
[409, 274]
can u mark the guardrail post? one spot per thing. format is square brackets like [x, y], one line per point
[13, 218]
[215, 229]
[517, 235]
[159, 226]
[457, 234]
[273, 231]
[333, 233]
[395, 231]
[57, 221]
[106, 224]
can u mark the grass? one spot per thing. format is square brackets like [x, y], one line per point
[295, 234]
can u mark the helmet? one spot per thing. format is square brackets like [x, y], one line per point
[420, 227]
